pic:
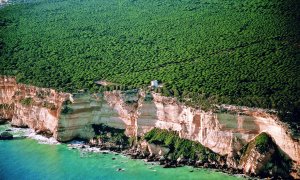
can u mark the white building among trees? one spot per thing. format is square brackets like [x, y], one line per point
[154, 83]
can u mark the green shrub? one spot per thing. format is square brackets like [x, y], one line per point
[66, 110]
[27, 101]
[179, 147]
[263, 142]
[6, 106]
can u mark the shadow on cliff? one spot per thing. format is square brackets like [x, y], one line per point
[282, 162]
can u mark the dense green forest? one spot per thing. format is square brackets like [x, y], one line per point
[244, 52]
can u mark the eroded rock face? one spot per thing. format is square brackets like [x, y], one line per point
[128, 106]
[29, 106]
[8, 88]
[138, 112]
[223, 132]
[88, 110]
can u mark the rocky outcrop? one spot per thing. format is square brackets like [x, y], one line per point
[109, 138]
[262, 157]
[30, 106]
[157, 150]
[6, 136]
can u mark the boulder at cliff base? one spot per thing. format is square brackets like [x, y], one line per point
[6, 136]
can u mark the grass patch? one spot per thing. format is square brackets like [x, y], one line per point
[27, 101]
[263, 142]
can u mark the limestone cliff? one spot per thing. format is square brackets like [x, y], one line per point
[8, 88]
[29, 106]
[225, 131]
[85, 111]
[128, 106]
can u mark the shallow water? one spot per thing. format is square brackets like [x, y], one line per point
[28, 159]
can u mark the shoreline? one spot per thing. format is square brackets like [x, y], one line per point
[85, 148]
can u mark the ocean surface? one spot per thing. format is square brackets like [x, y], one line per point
[36, 157]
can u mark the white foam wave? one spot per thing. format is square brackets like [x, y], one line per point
[30, 133]
[42, 139]
[83, 147]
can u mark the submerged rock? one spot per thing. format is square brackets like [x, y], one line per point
[6, 136]
[120, 169]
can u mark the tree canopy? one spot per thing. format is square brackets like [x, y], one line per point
[243, 52]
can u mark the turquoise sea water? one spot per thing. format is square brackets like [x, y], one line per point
[27, 159]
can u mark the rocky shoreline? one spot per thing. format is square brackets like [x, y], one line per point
[142, 150]
[135, 153]
[156, 154]
[168, 163]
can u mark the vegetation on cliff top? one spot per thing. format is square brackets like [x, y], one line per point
[243, 52]
[180, 147]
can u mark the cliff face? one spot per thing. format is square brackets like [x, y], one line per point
[8, 88]
[29, 106]
[128, 106]
[85, 111]
[224, 133]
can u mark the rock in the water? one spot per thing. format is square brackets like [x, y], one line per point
[6, 136]
[120, 169]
